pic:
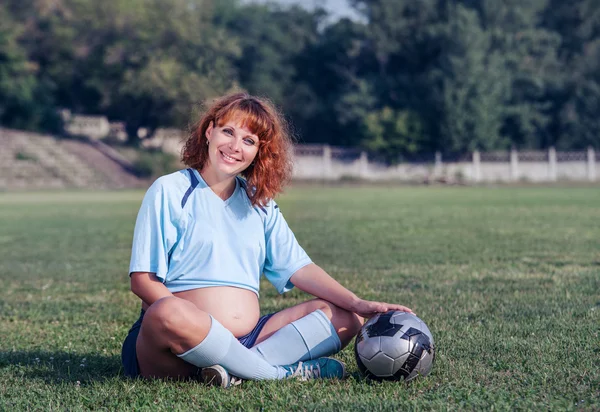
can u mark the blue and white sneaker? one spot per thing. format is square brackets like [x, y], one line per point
[321, 368]
[216, 375]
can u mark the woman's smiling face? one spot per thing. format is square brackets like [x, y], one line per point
[231, 147]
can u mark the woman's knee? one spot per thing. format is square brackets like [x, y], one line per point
[346, 323]
[175, 320]
[167, 313]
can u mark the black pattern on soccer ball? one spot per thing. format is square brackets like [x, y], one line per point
[394, 346]
[384, 326]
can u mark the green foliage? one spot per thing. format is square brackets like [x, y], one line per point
[503, 278]
[578, 23]
[340, 97]
[390, 134]
[530, 53]
[25, 156]
[154, 164]
[17, 81]
[277, 59]
[176, 60]
[475, 86]
[580, 116]
[478, 74]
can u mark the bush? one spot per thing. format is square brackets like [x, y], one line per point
[25, 156]
[154, 164]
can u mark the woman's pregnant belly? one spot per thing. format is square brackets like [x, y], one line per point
[235, 308]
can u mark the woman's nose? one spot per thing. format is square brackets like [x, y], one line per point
[234, 144]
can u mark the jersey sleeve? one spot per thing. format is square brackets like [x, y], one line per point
[155, 233]
[284, 255]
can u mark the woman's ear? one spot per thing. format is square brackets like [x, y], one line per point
[209, 130]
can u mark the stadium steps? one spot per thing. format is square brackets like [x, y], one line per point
[35, 161]
[115, 171]
[62, 163]
[22, 173]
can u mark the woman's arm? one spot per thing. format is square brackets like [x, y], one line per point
[314, 280]
[147, 287]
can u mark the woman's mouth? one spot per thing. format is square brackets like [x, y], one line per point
[228, 158]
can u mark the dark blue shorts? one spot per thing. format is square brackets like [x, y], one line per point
[129, 356]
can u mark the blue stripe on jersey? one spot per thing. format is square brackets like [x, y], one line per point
[194, 182]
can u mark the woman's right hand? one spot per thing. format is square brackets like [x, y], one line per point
[367, 308]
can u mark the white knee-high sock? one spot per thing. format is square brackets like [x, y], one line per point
[310, 337]
[220, 347]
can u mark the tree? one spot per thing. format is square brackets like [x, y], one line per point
[479, 73]
[414, 76]
[172, 58]
[402, 46]
[576, 124]
[391, 134]
[17, 76]
[276, 60]
[476, 86]
[340, 97]
[530, 53]
[147, 62]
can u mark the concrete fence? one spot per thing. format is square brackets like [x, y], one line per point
[323, 162]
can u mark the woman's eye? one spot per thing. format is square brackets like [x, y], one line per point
[228, 131]
[249, 142]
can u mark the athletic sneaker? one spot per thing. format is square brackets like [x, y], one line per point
[321, 368]
[216, 375]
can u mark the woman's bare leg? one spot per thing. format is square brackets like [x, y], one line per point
[176, 338]
[171, 326]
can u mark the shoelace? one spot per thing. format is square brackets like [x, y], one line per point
[234, 381]
[306, 373]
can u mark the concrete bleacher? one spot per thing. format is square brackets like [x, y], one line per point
[94, 127]
[169, 140]
[35, 161]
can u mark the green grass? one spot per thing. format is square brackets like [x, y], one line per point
[508, 279]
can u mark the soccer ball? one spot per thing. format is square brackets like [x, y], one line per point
[394, 346]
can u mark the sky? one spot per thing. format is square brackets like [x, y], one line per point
[337, 8]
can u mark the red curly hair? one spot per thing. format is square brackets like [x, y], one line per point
[272, 167]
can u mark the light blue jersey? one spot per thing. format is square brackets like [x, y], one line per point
[191, 238]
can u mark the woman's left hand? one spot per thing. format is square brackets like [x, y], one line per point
[367, 308]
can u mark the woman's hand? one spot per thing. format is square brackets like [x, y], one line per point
[367, 308]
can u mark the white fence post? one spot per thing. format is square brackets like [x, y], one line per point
[476, 166]
[364, 165]
[327, 162]
[514, 165]
[552, 164]
[591, 164]
[437, 169]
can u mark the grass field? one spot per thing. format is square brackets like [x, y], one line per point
[508, 279]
